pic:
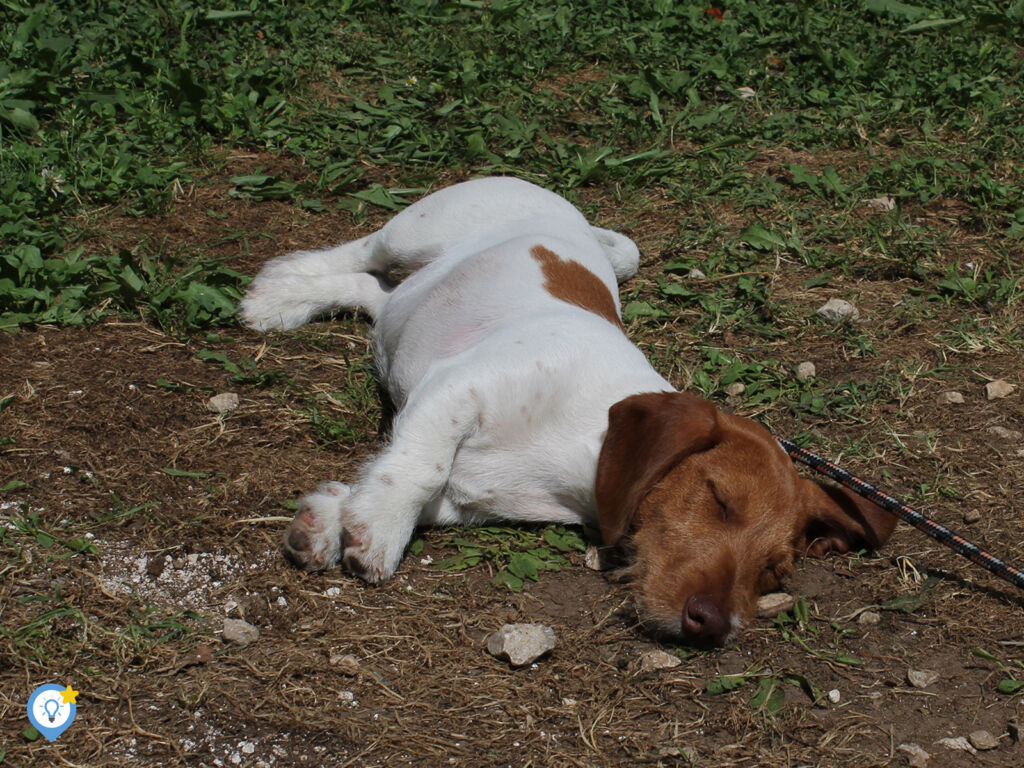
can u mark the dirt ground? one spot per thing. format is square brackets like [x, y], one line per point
[185, 508]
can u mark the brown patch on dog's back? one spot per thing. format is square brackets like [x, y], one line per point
[573, 283]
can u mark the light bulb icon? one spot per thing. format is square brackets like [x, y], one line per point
[54, 705]
[51, 709]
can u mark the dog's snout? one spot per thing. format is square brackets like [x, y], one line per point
[704, 620]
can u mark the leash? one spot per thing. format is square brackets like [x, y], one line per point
[938, 532]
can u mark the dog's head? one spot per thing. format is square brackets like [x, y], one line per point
[713, 513]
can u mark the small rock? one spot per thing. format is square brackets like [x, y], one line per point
[597, 558]
[1011, 435]
[982, 740]
[950, 398]
[222, 403]
[521, 644]
[696, 274]
[971, 516]
[240, 632]
[746, 92]
[771, 605]
[998, 389]
[735, 389]
[917, 757]
[922, 678]
[835, 696]
[569, 702]
[656, 659]
[806, 371]
[884, 203]
[869, 618]
[346, 663]
[838, 311]
[959, 743]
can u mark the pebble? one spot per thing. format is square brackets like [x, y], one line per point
[521, 644]
[736, 388]
[240, 632]
[999, 388]
[696, 274]
[959, 743]
[346, 663]
[653, 660]
[771, 605]
[806, 371]
[746, 92]
[918, 758]
[869, 618]
[838, 311]
[596, 558]
[971, 516]
[222, 403]
[1006, 434]
[922, 678]
[950, 398]
[982, 740]
[834, 696]
[884, 203]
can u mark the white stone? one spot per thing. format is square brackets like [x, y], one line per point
[239, 631]
[222, 403]
[834, 696]
[806, 370]
[869, 618]
[1006, 434]
[959, 743]
[521, 644]
[736, 388]
[838, 311]
[951, 398]
[884, 203]
[922, 678]
[999, 388]
[696, 274]
[597, 558]
[982, 740]
[771, 605]
[918, 758]
[653, 660]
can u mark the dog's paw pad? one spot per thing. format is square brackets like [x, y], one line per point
[313, 540]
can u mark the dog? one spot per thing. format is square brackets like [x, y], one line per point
[519, 397]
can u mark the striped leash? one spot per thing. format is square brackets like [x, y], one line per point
[938, 532]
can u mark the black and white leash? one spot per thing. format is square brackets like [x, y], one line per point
[938, 532]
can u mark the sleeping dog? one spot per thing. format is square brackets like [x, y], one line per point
[520, 398]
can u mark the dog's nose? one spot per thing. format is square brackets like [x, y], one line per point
[704, 621]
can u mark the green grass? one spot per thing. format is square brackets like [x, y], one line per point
[118, 104]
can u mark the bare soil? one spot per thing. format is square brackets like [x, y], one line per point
[111, 432]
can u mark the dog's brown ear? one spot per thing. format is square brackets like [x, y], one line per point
[648, 434]
[838, 520]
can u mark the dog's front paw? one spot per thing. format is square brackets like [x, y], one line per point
[313, 540]
[372, 548]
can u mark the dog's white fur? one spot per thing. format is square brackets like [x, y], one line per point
[502, 390]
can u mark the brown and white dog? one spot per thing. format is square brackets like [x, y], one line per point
[520, 398]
